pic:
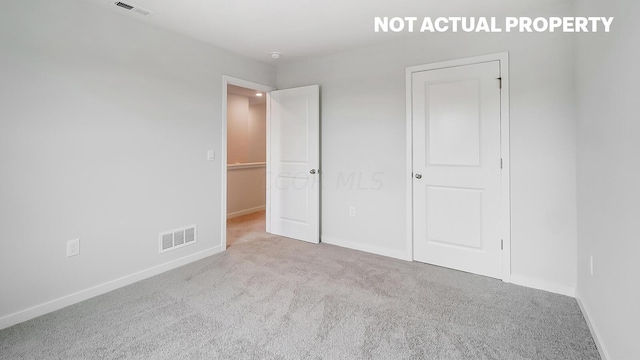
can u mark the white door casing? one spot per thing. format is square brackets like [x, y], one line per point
[293, 179]
[457, 170]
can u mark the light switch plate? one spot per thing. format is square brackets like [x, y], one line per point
[211, 155]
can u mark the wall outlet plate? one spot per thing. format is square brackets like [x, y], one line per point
[73, 247]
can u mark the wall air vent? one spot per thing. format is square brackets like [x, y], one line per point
[135, 9]
[177, 238]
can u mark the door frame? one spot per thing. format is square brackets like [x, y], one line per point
[505, 201]
[228, 80]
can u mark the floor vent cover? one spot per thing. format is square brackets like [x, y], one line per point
[177, 238]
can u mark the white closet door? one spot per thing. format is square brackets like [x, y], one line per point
[457, 168]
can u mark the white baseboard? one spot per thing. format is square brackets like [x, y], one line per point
[57, 304]
[543, 285]
[604, 355]
[514, 279]
[367, 248]
[245, 212]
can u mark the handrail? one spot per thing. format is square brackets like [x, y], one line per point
[246, 165]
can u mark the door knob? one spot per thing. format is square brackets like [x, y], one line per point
[312, 171]
[418, 176]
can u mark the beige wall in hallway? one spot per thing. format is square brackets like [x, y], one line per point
[257, 132]
[246, 130]
[237, 129]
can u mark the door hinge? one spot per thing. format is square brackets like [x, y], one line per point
[501, 244]
[500, 163]
[500, 82]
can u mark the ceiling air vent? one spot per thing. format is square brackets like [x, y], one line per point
[124, 6]
[132, 8]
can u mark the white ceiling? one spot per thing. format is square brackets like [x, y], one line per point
[302, 29]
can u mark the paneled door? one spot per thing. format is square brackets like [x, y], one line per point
[457, 168]
[294, 158]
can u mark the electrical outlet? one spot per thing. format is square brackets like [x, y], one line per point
[73, 247]
[352, 211]
[591, 264]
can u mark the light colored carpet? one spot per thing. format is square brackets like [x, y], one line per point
[269, 297]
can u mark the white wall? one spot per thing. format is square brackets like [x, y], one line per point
[363, 139]
[105, 126]
[608, 174]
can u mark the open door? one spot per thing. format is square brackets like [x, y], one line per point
[293, 185]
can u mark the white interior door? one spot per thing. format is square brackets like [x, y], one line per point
[294, 158]
[457, 168]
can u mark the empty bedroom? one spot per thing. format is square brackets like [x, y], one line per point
[319, 179]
